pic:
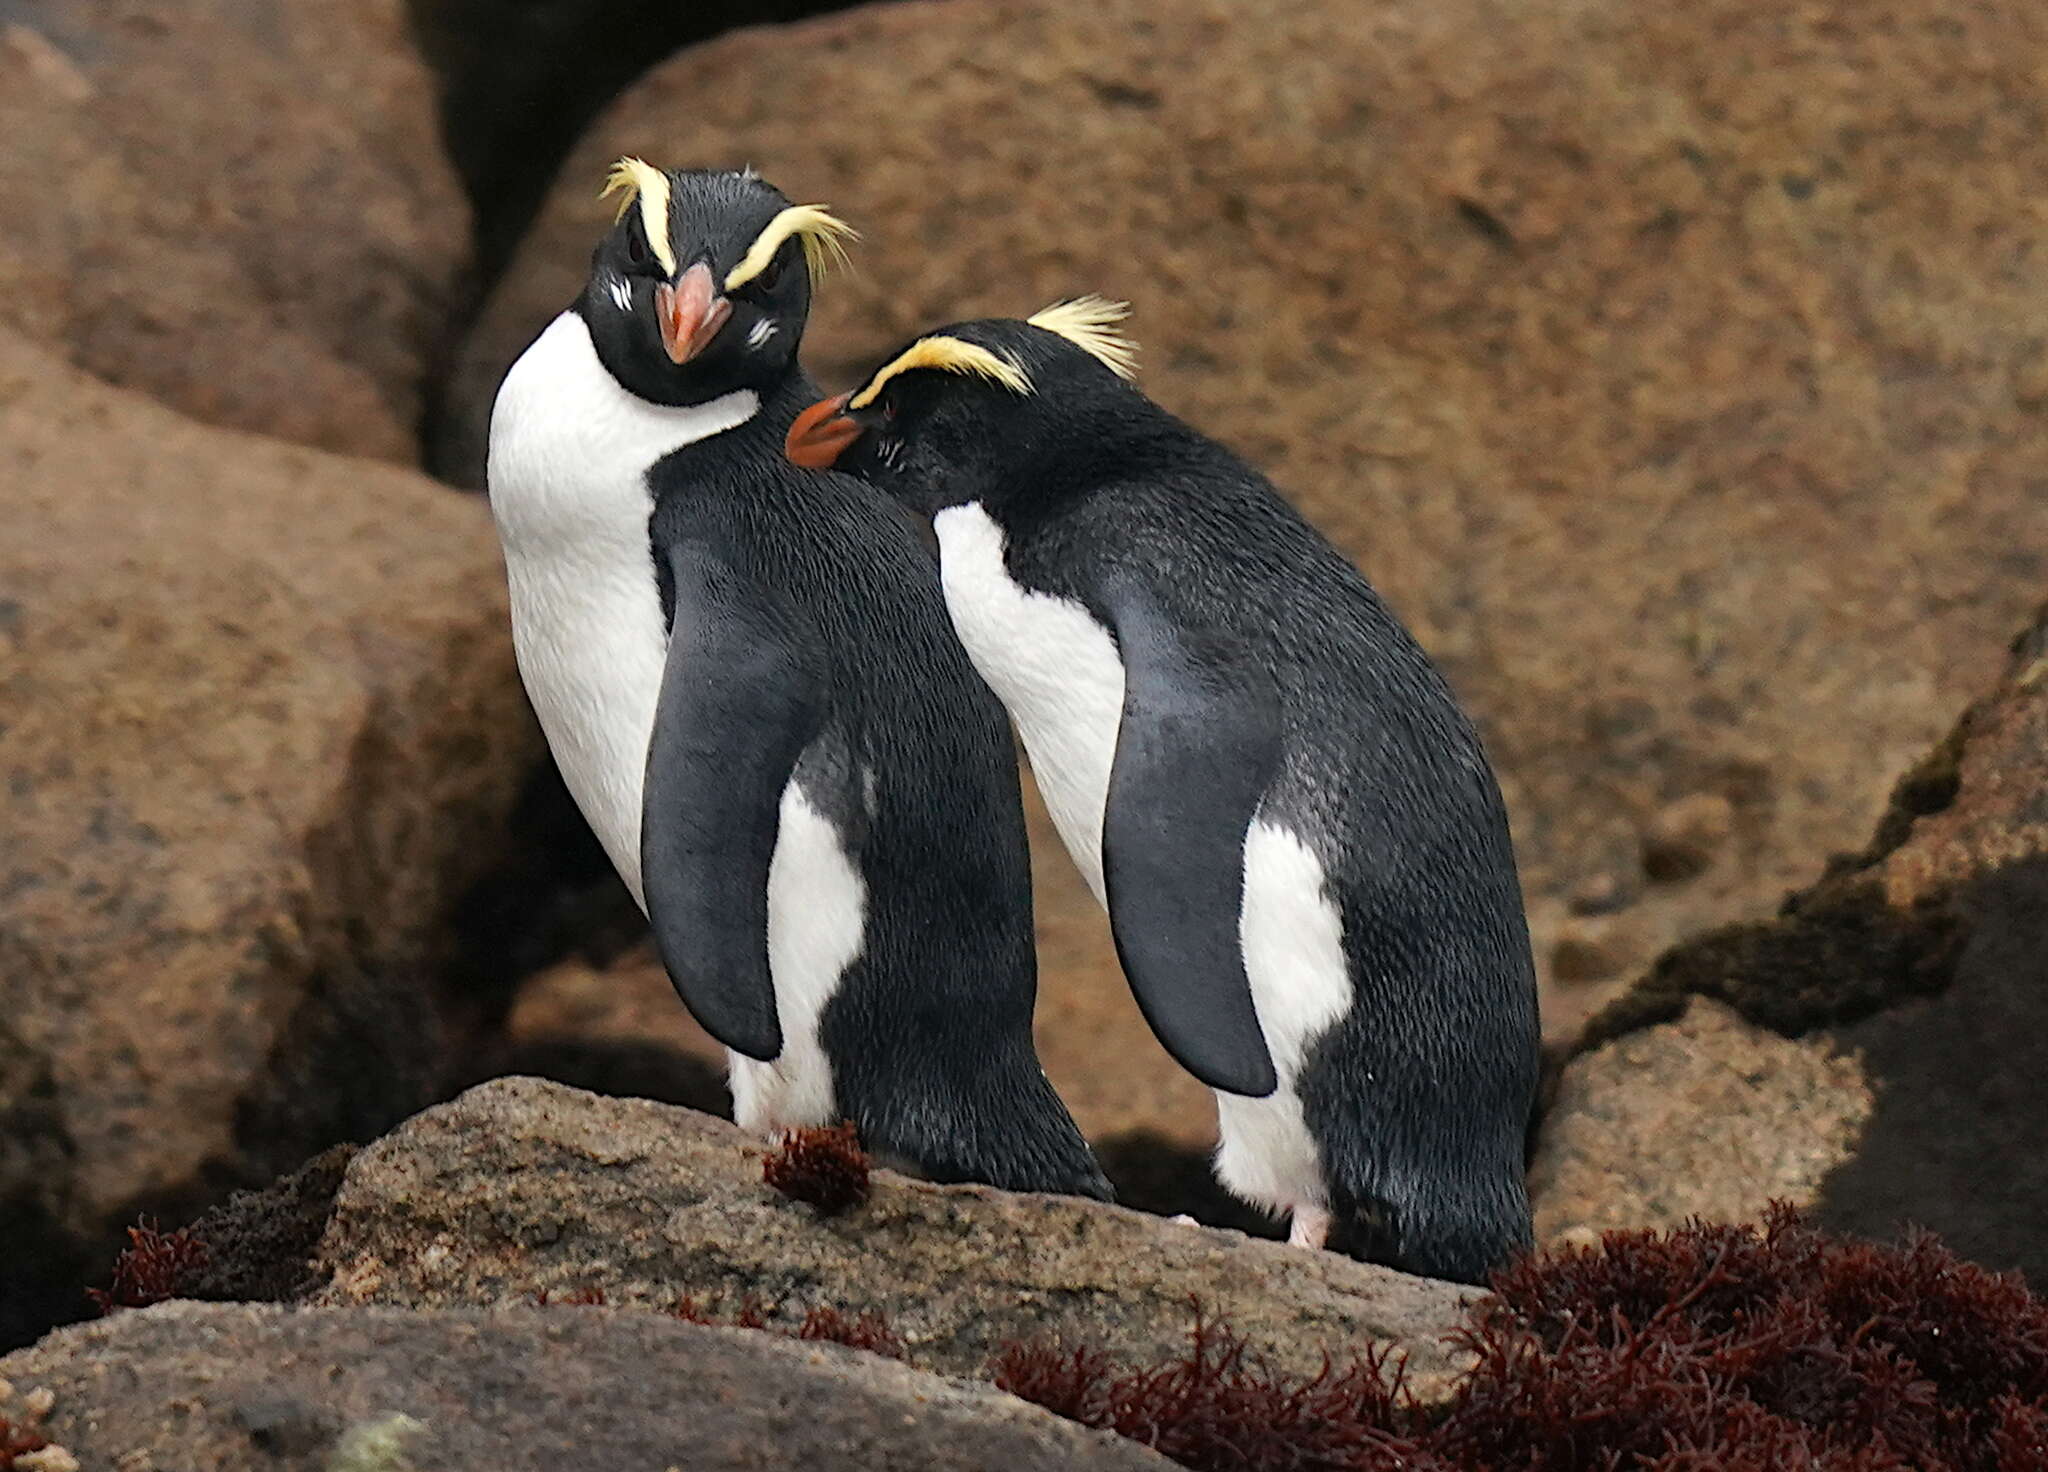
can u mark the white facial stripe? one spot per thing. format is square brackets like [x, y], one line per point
[763, 330]
[622, 295]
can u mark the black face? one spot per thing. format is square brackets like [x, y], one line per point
[934, 438]
[713, 217]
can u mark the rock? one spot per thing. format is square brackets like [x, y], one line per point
[189, 1387]
[259, 728]
[1589, 948]
[1708, 1116]
[1926, 954]
[1680, 840]
[522, 1187]
[239, 209]
[518, 83]
[1668, 371]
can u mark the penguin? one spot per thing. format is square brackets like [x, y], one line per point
[749, 681]
[1269, 786]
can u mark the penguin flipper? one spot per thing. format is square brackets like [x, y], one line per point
[1195, 750]
[742, 695]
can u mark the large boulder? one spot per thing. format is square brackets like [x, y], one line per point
[1890, 1067]
[521, 1188]
[259, 730]
[1674, 370]
[238, 208]
[1708, 1117]
[190, 1387]
[519, 82]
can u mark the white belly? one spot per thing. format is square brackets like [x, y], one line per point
[1051, 664]
[817, 924]
[1294, 957]
[570, 450]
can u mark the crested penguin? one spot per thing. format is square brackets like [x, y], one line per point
[748, 679]
[1269, 786]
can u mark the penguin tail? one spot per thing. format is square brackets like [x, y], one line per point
[1002, 1127]
[1458, 1235]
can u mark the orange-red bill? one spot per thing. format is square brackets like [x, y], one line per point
[690, 313]
[821, 434]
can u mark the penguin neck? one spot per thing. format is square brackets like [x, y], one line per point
[1037, 477]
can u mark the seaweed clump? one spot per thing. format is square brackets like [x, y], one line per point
[152, 1268]
[825, 1324]
[1709, 1347]
[825, 1167]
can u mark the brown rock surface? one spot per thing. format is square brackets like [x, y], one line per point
[1708, 1116]
[1927, 954]
[239, 209]
[259, 727]
[189, 1387]
[1672, 370]
[520, 1187]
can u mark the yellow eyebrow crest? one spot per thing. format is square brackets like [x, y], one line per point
[948, 355]
[643, 182]
[1090, 324]
[824, 236]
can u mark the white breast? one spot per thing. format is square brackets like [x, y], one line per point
[817, 926]
[570, 450]
[1051, 664]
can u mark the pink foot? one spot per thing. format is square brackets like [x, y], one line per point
[1310, 1228]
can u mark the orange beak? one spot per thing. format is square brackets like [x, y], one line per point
[690, 313]
[821, 434]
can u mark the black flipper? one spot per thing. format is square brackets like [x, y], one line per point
[741, 697]
[1198, 744]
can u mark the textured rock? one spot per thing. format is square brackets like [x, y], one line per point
[1708, 1116]
[1927, 953]
[1673, 370]
[191, 1387]
[259, 726]
[238, 208]
[521, 1187]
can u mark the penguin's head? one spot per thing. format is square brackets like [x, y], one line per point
[703, 284]
[951, 416]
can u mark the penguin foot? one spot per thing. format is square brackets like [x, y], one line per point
[1310, 1227]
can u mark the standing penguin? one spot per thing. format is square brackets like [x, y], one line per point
[1301, 847]
[747, 677]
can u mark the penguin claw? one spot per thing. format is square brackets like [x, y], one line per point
[1310, 1227]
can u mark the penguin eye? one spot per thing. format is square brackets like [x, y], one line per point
[771, 274]
[638, 255]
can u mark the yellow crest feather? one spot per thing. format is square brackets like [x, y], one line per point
[823, 234]
[1090, 324]
[643, 182]
[948, 355]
